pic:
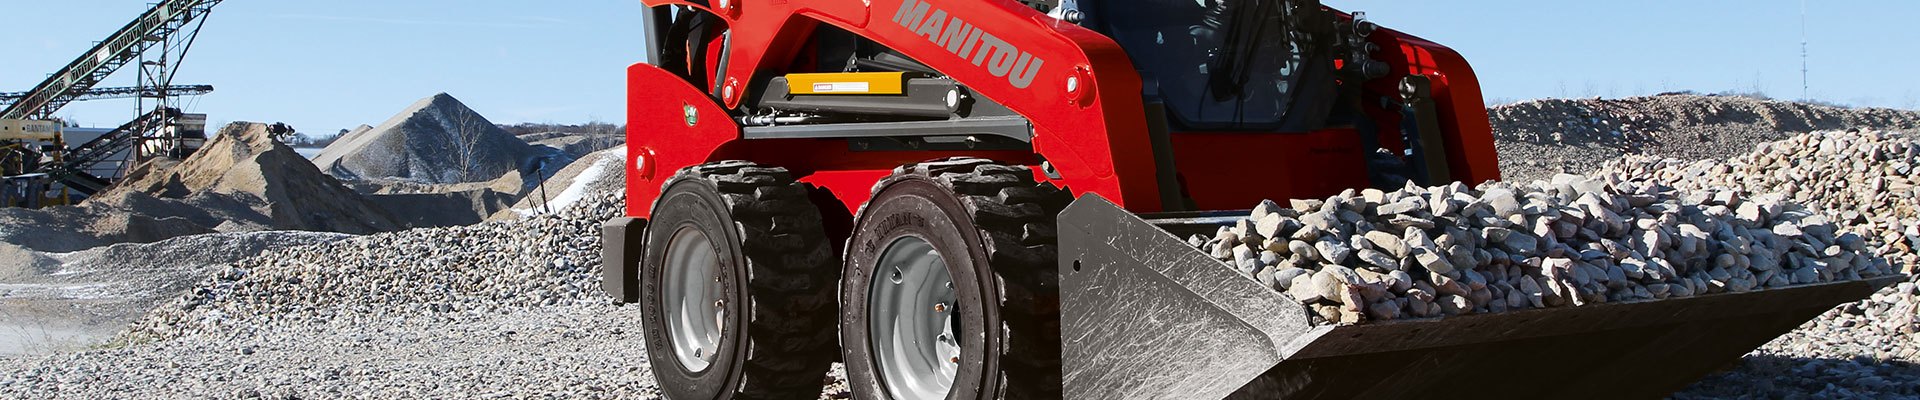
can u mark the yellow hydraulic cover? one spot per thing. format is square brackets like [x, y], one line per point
[848, 83]
[21, 129]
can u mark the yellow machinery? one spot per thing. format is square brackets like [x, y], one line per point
[26, 146]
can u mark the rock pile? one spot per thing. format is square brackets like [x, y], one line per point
[1540, 138]
[1450, 250]
[435, 140]
[1863, 180]
[438, 163]
[1580, 121]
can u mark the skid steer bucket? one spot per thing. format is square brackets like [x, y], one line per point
[1145, 315]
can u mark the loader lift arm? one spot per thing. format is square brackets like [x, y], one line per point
[1095, 132]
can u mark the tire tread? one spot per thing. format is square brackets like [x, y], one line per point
[1015, 216]
[790, 267]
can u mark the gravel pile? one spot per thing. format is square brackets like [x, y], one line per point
[435, 140]
[438, 163]
[547, 260]
[147, 268]
[1864, 180]
[1451, 250]
[1541, 138]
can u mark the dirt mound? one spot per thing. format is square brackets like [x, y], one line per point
[435, 140]
[243, 161]
[1540, 138]
[241, 181]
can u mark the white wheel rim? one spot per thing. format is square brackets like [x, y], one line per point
[912, 325]
[696, 313]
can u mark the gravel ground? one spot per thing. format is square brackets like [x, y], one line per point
[417, 313]
[572, 351]
[61, 301]
[1849, 352]
[504, 309]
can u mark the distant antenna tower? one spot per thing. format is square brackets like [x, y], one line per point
[1805, 86]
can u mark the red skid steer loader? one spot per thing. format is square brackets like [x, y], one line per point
[983, 199]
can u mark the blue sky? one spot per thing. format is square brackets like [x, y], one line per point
[328, 65]
[1861, 50]
[322, 66]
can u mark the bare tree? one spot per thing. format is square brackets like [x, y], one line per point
[466, 131]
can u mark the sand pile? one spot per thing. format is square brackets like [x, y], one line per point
[244, 161]
[435, 140]
[241, 181]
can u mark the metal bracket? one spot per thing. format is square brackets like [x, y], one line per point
[622, 244]
[1417, 90]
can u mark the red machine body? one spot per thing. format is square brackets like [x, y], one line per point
[1083, 100]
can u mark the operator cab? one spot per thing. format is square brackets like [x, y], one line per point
[1239, 65]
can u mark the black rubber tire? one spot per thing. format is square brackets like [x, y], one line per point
[994, 225]
[774, 256]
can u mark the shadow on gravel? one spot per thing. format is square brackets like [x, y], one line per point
[1777, 377]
